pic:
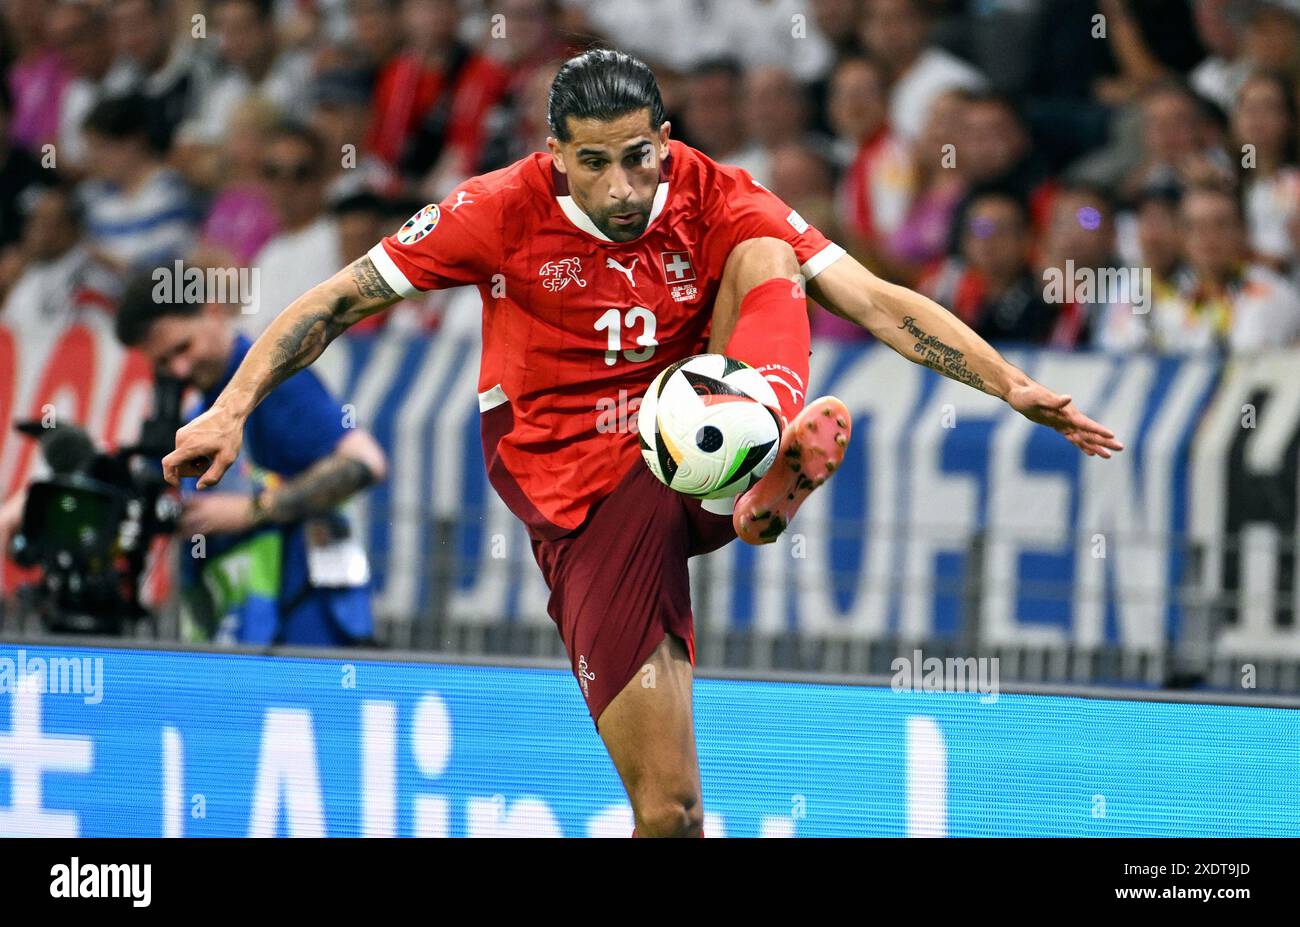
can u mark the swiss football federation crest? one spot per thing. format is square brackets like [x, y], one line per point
[419, 225]
[677, 267]
[556, 275]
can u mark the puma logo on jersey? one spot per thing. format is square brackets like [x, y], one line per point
[612, 264]
[557, 274]
[460, 200]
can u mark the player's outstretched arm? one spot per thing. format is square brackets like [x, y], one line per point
[925, 332]
[208, 445]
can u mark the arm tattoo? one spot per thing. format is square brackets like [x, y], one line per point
[325, 484]
[936, 355]
[312, 333]
[369, 281]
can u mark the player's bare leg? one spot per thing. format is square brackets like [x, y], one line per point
[649, 732]
[814, 439]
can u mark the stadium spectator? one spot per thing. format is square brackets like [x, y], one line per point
[1177, 145]
[307, 248]
[1158, 248]
[299, 463]
[991, 286]
[20, 175]
[995, 151]
[877, 186]
[241, 218]
[79, 30]
[1221, 73]
[896, 32]
[1271, 40]
[340, 115]
[37, 78]
[1264, 127]
[377, 33]
[59, 281]
[517, 126]
[710, 118]
[252, 63]
[151, 61]
[774, 110]
[138, 212]
[1223, 301]
[1079, 250]
[922, 238]
[837, 20]
[430, 101]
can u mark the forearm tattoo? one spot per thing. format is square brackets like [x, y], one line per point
[319, 490]
[312, 333]
[936, 355]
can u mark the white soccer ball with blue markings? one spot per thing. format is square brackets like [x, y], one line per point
[708, 426]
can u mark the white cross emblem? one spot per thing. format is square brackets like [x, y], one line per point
[677, 266]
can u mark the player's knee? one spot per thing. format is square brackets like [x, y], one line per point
[667, 816]
[757, 259]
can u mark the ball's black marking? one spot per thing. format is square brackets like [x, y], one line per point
[710, 386]
[752, 459]
[708, 438]
[732, 365]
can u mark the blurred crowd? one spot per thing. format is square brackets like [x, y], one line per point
[1117, 174]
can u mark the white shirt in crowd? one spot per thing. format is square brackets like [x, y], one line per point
[1270, 204]
[1262, 314]
[51, 295]
[287, 86]
[289, 265]
[934, 72]
[683, 33]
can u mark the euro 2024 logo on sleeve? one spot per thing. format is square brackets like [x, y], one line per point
[419, 225]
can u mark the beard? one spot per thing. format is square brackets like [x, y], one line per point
[619, 231]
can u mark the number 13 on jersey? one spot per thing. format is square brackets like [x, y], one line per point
[614, 321]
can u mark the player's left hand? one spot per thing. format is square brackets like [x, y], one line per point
[1039, 404]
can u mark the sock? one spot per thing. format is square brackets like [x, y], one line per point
[772, 336]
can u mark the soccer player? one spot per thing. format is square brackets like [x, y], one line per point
[600, 262]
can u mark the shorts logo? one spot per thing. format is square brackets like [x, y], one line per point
[583, 676]
[419, 225]
[556, 275]
[677, 267]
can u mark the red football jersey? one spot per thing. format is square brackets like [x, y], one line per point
[575, 326]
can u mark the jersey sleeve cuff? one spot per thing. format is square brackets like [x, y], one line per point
[391, 273]
[821, 260]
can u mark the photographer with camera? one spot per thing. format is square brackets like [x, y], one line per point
[277, 561]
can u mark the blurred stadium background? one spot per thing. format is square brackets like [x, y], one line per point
[969, 149]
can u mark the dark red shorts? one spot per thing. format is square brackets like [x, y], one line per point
[620, 582]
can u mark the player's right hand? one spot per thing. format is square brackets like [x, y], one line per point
[205, 447]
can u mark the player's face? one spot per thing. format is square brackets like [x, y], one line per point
[613, 170]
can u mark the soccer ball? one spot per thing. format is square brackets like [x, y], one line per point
[708, 426]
